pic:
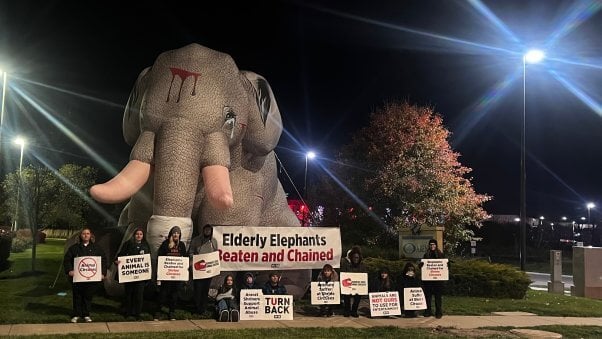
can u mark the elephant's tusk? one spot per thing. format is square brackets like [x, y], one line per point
[217, 186]
[125, 184]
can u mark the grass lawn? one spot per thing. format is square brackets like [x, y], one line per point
[35, 298]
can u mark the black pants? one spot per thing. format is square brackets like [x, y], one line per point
[169, 294]
[82, 298]
[347, 307]
[201, 293]
[134, 298]
[433, 289]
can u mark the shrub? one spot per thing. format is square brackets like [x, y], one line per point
[475, 278]
[21, 241]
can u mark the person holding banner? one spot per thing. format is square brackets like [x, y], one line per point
[226, 304]
[355, 266]
[273, 285]
[83, 291]
[201, 244]
[172, 246]
[433, 288]
[408, 279]
[134, 290]
[327, 274]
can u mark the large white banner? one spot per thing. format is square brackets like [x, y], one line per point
[325, 293]
[434, 269]
[254, 305]
[134, 268]
[205, 265]
[413, 299]
[384, 304]
[172, 268]
[354, 283]
[87, 269]
[247, 248]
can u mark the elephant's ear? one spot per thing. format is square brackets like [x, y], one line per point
[132, 114]
[264, 124]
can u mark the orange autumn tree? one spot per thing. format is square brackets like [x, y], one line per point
[403, 164]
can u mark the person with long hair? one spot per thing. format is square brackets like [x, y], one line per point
[327, 274]
[83, 291]
[354, 265]
[172, 246]
[226, 303]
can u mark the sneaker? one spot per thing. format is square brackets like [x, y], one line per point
[234, 316]
[88, 319]
[223, 316]
[74, 319]
[439, 316]
[354, 314]
[172, 316]
[427, 314]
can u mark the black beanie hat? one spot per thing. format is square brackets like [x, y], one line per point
[433, 241]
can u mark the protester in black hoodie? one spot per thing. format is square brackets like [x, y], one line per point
[202, 244]
[433, 288]
[354, 265]
[134, 290]
[409, 279]
[172, 246]
[83, 291]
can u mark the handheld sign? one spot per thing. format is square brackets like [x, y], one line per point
[87, 269]
[435, 269]
[205, 265]
[325, 293]
[134, 268]
[172, 268]
[278, 307]
[384, 304]
[413, 299]
[251, 305]
[354, 283]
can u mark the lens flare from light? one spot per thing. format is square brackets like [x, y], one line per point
[534, 56]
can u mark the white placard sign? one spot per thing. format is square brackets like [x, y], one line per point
[205, 265]
[172, 268]
[87, 269]
[435, 269]
[254, 305]
[384, 304]
[325, 293]
[413, 299]
[134, 268]
[354, 283]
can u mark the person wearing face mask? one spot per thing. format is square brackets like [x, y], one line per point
[202, 244]
[134, 290]
[83, 291]
[172, 246]
[408, 279]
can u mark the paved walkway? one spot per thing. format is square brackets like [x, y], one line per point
[510, 319]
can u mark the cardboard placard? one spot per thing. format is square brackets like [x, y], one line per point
[205, 265]
[87, 269]
[384, 304]
[254, 305]
[435, 269]
[134, 268]
[354, 283]
[172, 268]
[413, 299]
[325, 293]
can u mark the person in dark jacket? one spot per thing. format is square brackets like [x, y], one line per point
[383, 283]
[408, 279]
[354, 265]
[327, 274]
[172, 246]
[83, 291]
[249, 282]
[226, 301]
[134, 290]
[273, 285]
[433, 288]
[202, 244]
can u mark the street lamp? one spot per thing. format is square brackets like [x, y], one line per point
[308, 155]
[21, 142]
[589, 206]
[4, 79]
[532, 57]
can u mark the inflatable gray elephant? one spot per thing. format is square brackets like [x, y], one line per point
[202, 134]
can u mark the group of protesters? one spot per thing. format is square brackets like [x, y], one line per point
[228, 293]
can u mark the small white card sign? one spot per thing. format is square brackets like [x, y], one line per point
[435, 269]
[413, 299]
[254, 305]
[87, 269]
[172, 268]
[354, 283]
[205, 265]
[134, 268]
[325, 293]
[384, 304]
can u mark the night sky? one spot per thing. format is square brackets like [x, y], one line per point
[330, 64]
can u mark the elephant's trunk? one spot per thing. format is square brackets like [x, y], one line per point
[125, 184]
[217, 186]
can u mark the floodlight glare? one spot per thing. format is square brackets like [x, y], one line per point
[534, 56]
[591, 205]
[311, 155]
[19, 141]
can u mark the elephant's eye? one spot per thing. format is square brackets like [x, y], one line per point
[229, 120]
